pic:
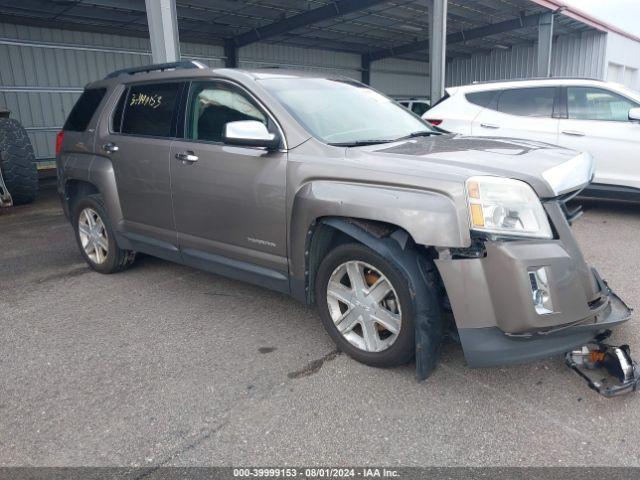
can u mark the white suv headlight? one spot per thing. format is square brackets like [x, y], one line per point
[505, 206]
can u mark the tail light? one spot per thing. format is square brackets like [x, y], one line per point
[59, 139]
[434, 121]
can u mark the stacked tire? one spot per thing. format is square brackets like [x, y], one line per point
[17, 162]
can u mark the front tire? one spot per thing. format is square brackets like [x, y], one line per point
[96, 238]
[366, 306]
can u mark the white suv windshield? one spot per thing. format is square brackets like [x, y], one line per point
[632, 94]
[342, 112]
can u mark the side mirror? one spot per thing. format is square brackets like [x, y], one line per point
[634, 114]
[250, 133]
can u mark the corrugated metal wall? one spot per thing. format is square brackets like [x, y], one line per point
[400, 78]
[259, 55]
[42, 72]
[580, 55]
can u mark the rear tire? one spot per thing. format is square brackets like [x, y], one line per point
[17, 162]
[396, 348]
[96, 238]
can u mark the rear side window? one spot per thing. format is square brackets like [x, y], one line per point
[83, 110]
[149, 109]
[527, 102]
[483, 99]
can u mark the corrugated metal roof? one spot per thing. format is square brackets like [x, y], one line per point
[385, 25]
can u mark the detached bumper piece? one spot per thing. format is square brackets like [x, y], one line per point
[608, 369]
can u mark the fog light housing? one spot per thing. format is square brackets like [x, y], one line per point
[540, 290]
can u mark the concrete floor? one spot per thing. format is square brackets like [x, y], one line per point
[166, 365]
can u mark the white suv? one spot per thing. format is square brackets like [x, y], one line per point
[589, 115]
[417, 105]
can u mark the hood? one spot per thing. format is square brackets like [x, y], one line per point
[549, 169]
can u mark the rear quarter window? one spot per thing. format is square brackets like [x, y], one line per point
[485, 99]
[83, 110]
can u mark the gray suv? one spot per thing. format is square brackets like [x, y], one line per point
[327, 190]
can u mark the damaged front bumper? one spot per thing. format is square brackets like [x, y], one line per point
[490, 346]
[497, 308]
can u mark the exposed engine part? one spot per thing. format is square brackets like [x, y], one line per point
[608, 369]
[476, 250]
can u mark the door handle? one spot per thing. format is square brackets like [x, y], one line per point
[573, 133]
[110, 147]
[489, 125]
[187, 157]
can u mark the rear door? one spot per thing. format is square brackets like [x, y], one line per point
[229, 201]
[520, 113]
[598, 122]
[142, 127]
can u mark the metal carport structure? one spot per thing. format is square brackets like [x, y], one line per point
[387, 43]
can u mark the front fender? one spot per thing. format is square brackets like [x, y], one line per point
[430, 218]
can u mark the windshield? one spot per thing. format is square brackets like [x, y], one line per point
[341, 112]
[632, 94]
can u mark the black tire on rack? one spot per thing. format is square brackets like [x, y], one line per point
[17, 162]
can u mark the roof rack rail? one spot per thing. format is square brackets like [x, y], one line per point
[158, 67]
[526, 79]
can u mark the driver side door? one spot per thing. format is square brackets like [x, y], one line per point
[229, 200]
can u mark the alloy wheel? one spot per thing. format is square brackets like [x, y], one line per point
[364, 306]
[93, 235]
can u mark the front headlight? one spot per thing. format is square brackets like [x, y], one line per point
[505, 206]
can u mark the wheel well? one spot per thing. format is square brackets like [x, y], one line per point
[323, 238]
[74, 190]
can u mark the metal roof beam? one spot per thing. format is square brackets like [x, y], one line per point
[458, 37]
[326, 12]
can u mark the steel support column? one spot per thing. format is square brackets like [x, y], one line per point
[437, 47]
[365, 66]
[230, 54]
[163, 30]
[545, 43]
